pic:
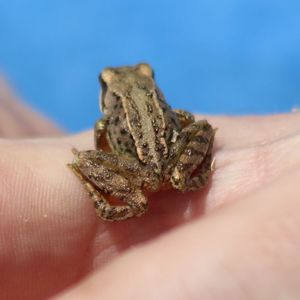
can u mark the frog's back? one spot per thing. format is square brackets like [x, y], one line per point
[141, 123]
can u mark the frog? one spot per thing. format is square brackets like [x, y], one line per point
[150, 145]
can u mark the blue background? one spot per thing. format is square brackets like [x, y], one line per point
[223, 57]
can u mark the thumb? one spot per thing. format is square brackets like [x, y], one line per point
[245, 250]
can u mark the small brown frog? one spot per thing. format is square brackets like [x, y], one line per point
[152, 145]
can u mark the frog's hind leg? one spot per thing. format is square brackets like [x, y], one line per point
[102, 175]
[194, 164]
[99, 130]
[104, 209]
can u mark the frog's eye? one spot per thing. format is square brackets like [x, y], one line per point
[107, 75]
[145, 69]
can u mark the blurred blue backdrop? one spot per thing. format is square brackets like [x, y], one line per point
[224, 57]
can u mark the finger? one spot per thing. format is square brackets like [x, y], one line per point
[48, 221]
[244, 131]
[18, 120]
[243, 170]
[247, 250]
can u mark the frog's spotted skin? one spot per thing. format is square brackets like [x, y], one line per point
[151, 145]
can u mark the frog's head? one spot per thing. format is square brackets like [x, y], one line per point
[117, 80]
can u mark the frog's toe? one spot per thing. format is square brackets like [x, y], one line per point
[74, 151]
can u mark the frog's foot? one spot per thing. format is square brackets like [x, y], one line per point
[193, 166]
[185, 117]
[74, 151]
[106, 174]
[99, 132]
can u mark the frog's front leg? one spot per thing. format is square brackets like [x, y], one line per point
[191, 156]
[99, 130]
[105, 174]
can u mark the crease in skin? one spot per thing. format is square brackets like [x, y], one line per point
[108, 251]
[241, 171]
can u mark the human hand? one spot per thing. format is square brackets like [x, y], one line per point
[237, 239]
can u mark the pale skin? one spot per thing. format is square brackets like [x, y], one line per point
[243, 241]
